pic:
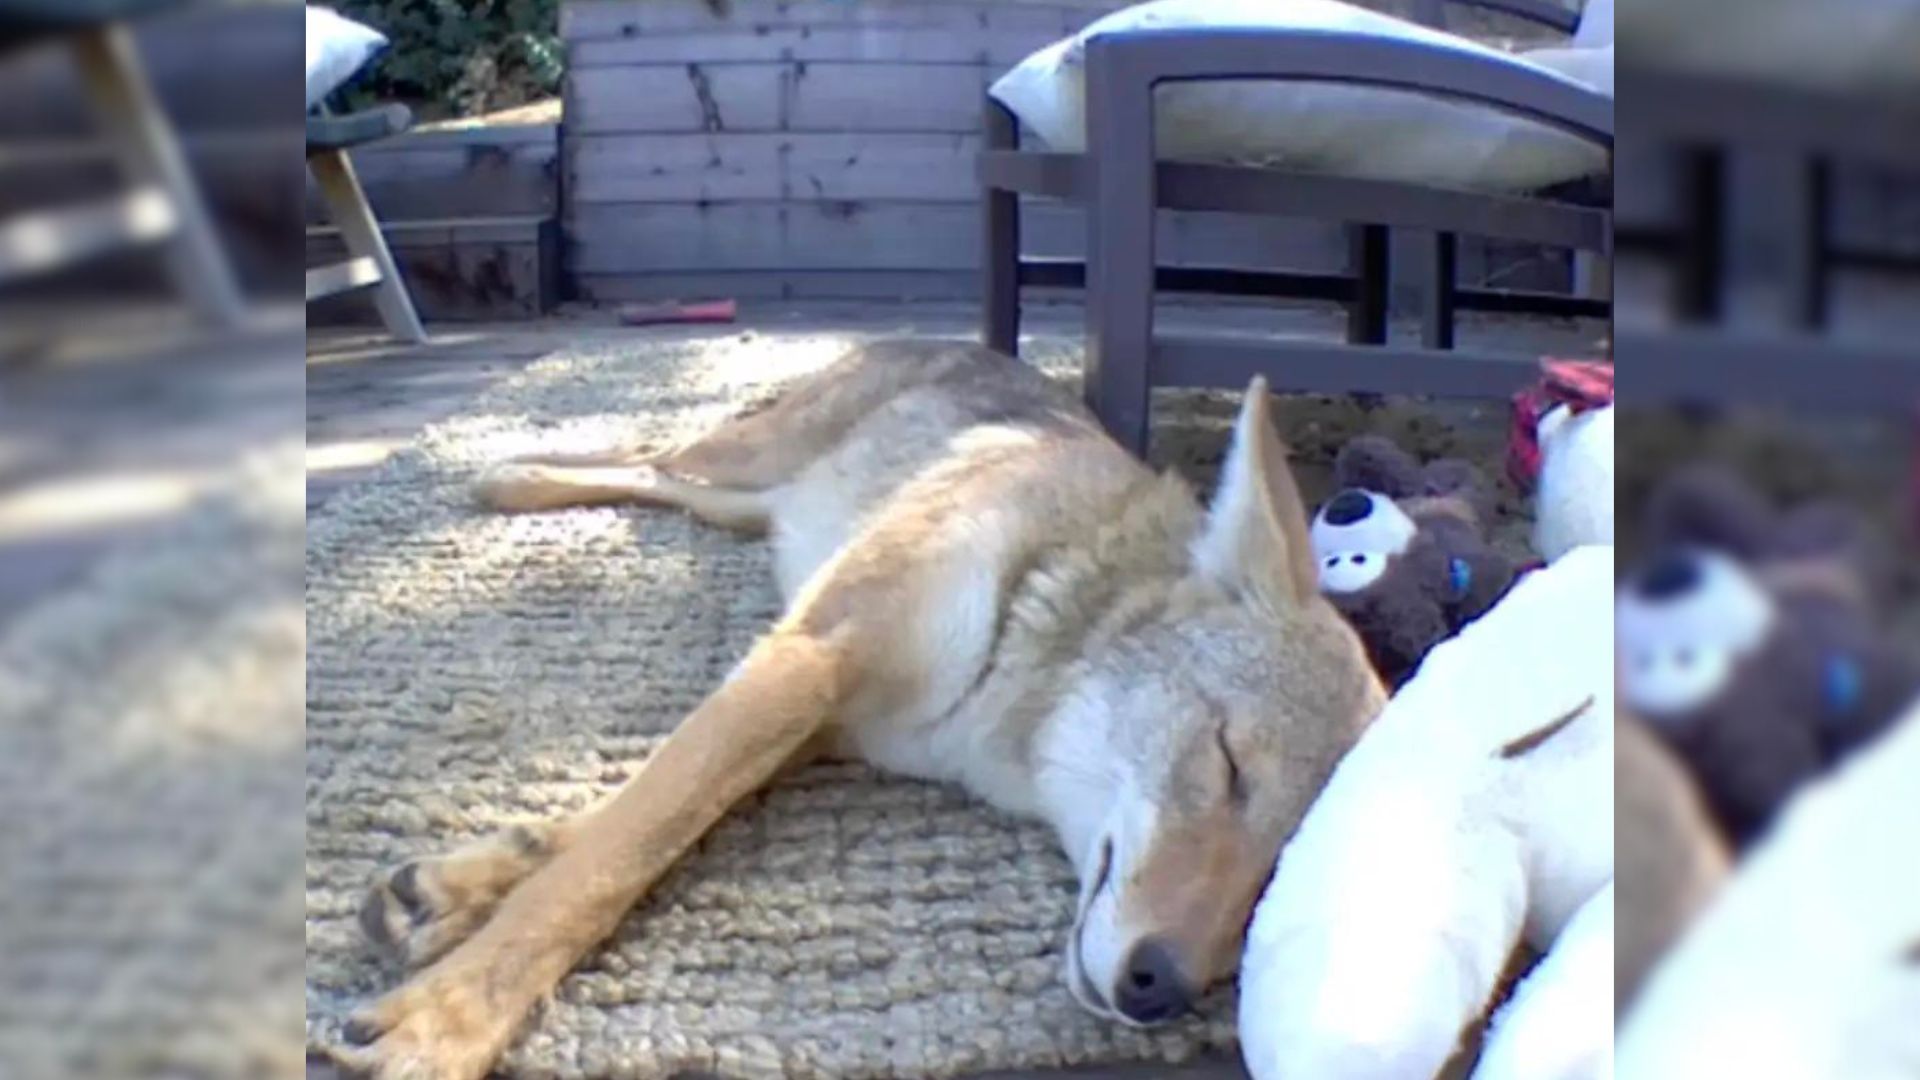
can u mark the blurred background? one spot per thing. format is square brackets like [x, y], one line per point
[151, 524]
[1768, 630]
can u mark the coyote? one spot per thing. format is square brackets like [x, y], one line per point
[982, 588]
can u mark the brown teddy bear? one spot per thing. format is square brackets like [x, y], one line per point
[1403, 553]
[1751, 642]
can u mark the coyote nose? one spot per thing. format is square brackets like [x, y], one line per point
[1348, 507]
[1670, 577]
[1151, 988]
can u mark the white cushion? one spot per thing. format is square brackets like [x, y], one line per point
[1362, 131]
[1596, 25]
[336, 48]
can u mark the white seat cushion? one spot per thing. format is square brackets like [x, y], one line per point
[336, 48]
[1362, 131]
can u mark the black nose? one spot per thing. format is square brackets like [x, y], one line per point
[1671, 575]
[1151, 988]
[1348, 507]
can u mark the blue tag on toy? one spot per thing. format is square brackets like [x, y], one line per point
[1461, 575]
[1843, 685]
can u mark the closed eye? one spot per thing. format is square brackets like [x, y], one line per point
[1236, 783]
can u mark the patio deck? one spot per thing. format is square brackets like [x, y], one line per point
[367, 396]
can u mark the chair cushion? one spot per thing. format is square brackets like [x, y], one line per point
[1364, 131]
[355, 128]
[337, 48]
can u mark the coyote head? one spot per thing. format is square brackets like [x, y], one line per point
[1195, 738]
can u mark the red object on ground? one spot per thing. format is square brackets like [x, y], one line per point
[1578, 384]
[712, 311]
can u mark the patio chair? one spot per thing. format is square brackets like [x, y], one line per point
[1710, 127]
[163, 205]
[1122, 185]
[369, 263]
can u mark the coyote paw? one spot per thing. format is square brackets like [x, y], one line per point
[438, 1026]
[426, 907]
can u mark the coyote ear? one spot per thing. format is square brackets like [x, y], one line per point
[1255, 541]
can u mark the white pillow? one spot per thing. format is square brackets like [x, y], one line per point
[336, 48]
[1361, 131]
[1596, 25]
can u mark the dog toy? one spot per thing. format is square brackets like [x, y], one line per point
[1751, 643]
[1474, 814]
[1561, 448]
[1402, 551]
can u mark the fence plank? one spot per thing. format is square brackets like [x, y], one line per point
[468, 172]
[854, 236]
[995, 45]
[828, 96]
[887, 97]
[589, 20]
[497, 268]
[773, 166]
[782, 285]
[690, 97]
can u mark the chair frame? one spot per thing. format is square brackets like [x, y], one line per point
[1123, 186]
[369, 262]
[163, 206]
[1798, 366]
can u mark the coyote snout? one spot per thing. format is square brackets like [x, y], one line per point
[1152, 940]
[1215, 779]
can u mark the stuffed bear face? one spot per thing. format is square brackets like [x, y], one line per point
[1683, 629]
[1355, 536]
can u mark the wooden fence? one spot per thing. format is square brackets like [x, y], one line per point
[824, 148]
[812, 148]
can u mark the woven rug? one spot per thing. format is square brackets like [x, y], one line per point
[150, 757]
[467, 669]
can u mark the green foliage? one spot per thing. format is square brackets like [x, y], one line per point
[459, 57]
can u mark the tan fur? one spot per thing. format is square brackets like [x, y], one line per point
[1671, 860]
[982, 589]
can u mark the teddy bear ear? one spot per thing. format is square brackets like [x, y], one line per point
[1377, 464]
[1709, 506]
[1457, 479]
[1828, 529]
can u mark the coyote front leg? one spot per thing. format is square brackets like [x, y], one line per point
[455, 1018]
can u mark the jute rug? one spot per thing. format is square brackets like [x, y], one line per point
[150, 758]
[466, 670]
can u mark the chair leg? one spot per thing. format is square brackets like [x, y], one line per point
[1807, 200]
[1438, 308]
[1120, 253]
[1593, 275]
[347, 205]
[1367, 315]
[1002, 272]
[144, 140]
[1698, 286]
[1000, 267]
